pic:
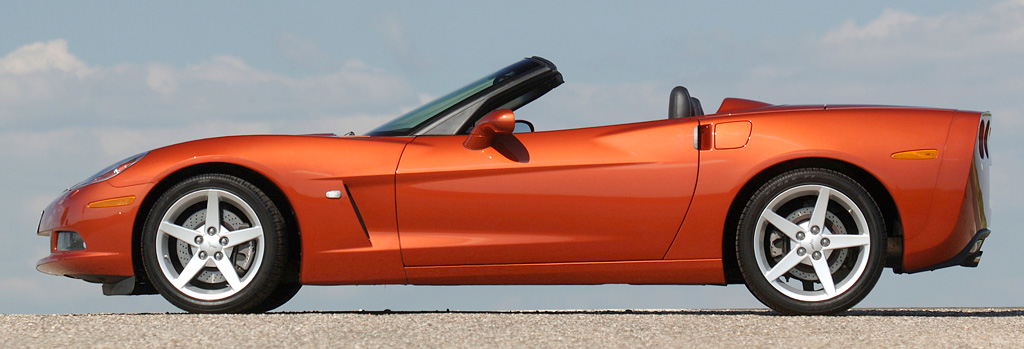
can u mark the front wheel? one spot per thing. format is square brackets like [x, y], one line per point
[217, 244]
[811, 241]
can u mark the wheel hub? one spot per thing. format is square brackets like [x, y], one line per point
[212, 245]
[813, 243]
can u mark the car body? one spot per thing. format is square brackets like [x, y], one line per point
[453, 194]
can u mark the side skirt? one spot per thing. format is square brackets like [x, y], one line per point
[688, 272]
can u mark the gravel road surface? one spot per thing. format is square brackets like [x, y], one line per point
[942, 328]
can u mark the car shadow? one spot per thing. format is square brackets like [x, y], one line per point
[882, 312]
[511, 148]
[877, 312]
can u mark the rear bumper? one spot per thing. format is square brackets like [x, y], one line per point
[960, 242]
[970, 256]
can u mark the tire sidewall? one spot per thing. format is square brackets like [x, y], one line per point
[745, 243]
[267, 275]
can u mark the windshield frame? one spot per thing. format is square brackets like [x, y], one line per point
[428, 114]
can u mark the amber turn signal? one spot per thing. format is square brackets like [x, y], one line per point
[916, 154]
[121, 201]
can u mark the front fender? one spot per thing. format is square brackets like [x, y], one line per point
[305, 169]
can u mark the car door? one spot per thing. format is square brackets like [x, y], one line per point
[609, 193]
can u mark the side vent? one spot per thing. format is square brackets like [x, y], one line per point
[356, 209]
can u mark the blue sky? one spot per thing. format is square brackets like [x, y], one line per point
[85, 84]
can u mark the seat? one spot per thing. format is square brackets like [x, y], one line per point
[697, 109]
[679, 103]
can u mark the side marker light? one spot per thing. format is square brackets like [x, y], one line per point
[922, 154]
[121, 201]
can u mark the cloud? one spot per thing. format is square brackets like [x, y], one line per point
[39, 72]
[305, 52]
[890, 23]
[56, 92]
[956, 60]
[400, 44]
[227, 70]
[895, 34]
[43, 57]
[161, 78]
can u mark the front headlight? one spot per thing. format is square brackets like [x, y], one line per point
[112, 170]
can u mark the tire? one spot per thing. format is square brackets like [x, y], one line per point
[811, 241]
[281, 295]
[234, 262]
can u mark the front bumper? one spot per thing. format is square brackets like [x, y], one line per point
[107, 232]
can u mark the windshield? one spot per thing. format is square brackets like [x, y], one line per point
[406, 123]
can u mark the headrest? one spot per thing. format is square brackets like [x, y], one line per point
[679, 103]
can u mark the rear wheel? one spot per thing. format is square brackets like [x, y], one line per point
[216, 244]
[811, 241]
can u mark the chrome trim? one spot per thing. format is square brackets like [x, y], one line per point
[696, 137]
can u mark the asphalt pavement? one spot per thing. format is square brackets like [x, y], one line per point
[918, 328]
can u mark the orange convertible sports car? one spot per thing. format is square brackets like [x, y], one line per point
[804, 204]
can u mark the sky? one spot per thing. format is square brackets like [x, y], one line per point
[83, 84]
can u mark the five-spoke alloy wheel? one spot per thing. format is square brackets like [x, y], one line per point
[811, 241]
[216, 244]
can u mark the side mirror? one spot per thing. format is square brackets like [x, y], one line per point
[501, 121]
[523, 126]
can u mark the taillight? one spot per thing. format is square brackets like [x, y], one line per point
[984, 128]
[988, 130]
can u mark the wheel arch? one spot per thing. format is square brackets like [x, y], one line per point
[881, 195]
[259, 180]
